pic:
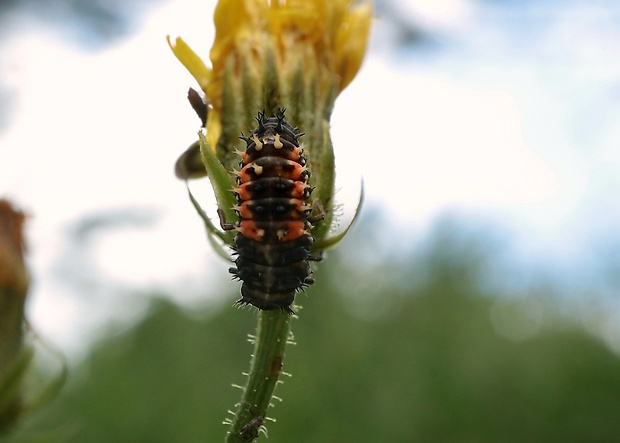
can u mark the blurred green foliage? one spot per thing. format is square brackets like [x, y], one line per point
[389, 349]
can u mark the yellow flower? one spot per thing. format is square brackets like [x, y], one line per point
[297, 54]
[292, 54]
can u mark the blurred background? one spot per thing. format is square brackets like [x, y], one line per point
[477, 299]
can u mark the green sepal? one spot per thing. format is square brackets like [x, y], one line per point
[212, 230]
[222, 183]
[325, 243]
[324, 182]
[52, 389]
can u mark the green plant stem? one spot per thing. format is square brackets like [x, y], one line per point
[272, 333]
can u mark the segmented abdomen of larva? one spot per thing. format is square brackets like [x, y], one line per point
[273, 240]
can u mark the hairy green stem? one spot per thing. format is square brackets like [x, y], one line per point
[272, 333]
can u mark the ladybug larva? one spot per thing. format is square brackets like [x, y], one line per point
[273, 240]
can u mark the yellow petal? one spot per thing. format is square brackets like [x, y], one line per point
[351, 41]
[214, 129]
[234, 21]
[191, 61]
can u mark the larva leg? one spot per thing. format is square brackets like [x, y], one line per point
[223, 224]
[319, 215]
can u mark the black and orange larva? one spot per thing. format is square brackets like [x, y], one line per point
[272, 245]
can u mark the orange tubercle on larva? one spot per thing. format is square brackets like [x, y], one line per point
[248, 229]
[293, 230]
